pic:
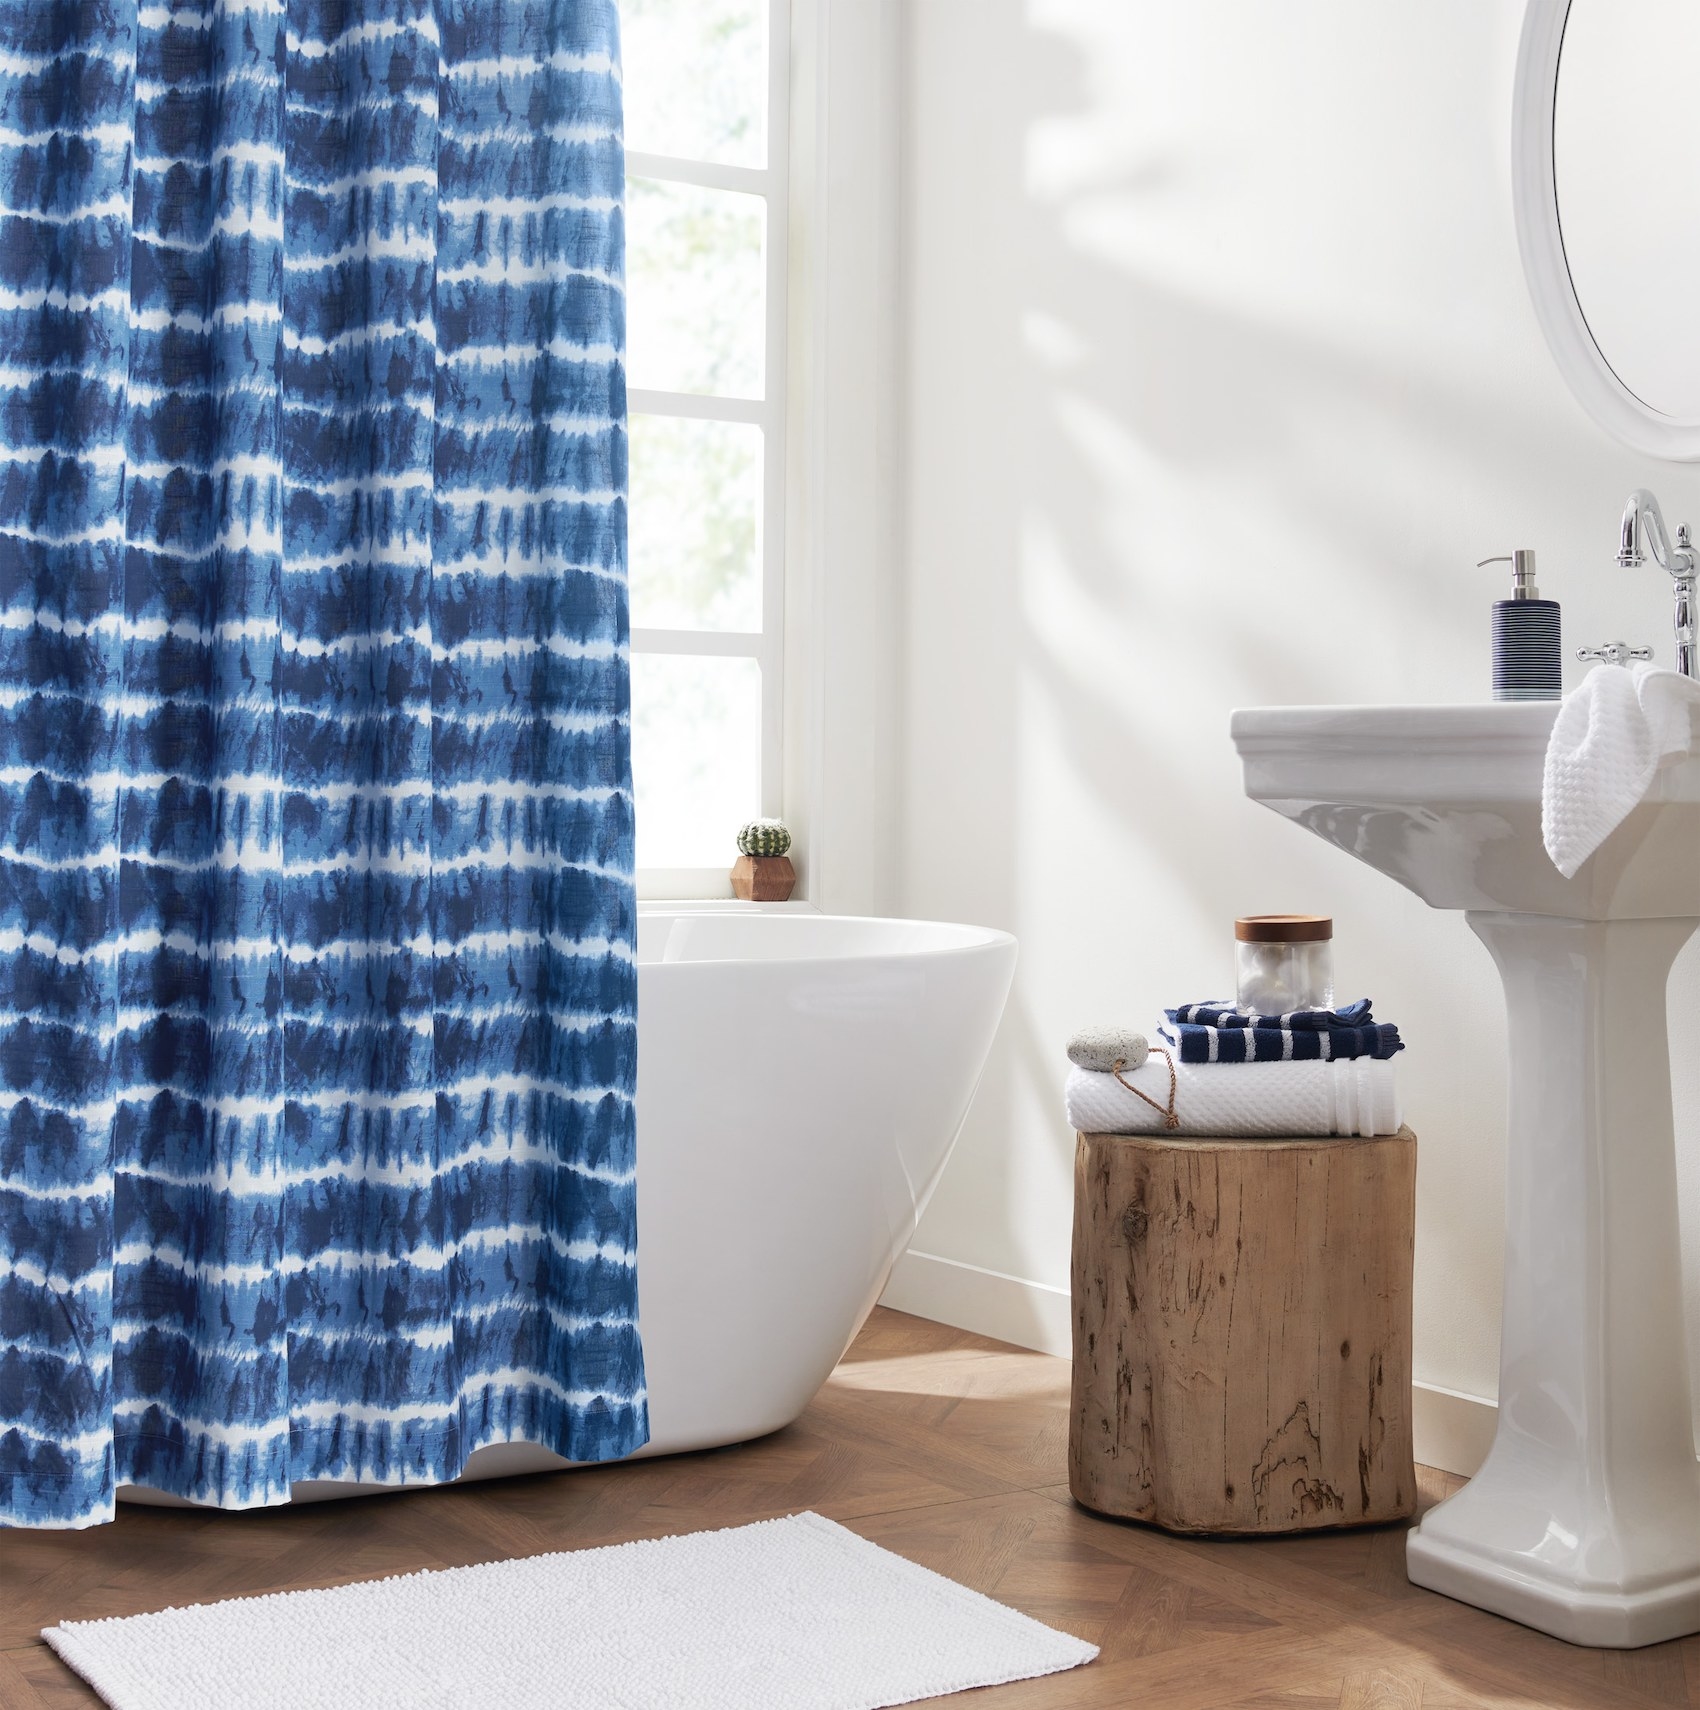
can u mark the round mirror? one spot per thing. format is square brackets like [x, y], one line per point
[1606, 171]
[1626, 163]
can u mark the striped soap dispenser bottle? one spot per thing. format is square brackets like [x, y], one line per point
[1527, 656]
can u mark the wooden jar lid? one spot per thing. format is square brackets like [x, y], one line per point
[1284, 928]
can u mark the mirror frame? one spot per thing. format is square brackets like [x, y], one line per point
[1534, 196]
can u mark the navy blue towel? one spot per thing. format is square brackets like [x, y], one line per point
[1219, 1033]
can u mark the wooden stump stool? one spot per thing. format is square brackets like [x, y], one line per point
[1242, 1331]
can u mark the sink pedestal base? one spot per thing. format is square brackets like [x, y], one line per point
[1584, 1521]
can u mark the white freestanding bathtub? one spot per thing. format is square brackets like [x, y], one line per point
[801, 1080]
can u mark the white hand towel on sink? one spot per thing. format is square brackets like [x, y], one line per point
[1610, 737]
[1264, 1101]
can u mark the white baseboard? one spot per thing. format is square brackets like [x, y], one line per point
[1450, 1430]
[990, 1303]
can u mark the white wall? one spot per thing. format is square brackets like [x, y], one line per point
[844, 564]
[1220, 376]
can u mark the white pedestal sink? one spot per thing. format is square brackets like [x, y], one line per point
[1584, 1521]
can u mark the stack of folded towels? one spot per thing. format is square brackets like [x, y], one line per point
[1213, 1069]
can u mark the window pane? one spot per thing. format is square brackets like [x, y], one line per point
[696, 78]
[695, 524]
[696, 757]
[696, 288]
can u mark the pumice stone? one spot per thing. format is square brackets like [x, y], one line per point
[1107, 1048]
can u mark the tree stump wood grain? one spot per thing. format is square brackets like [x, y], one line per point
[1242, 1331]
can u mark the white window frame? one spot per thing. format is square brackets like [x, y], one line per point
[766, 646]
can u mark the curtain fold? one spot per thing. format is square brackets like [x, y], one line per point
[317, 931]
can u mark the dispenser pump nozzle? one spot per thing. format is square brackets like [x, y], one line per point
[1522, 563]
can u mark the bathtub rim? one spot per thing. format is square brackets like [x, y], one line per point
[983, 939]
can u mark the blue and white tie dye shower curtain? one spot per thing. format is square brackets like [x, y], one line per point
[317, 983]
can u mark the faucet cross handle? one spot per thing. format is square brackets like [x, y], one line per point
[1614, 653]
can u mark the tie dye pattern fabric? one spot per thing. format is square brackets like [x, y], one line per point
[318, 987]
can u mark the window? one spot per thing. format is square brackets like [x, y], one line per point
[705, 92]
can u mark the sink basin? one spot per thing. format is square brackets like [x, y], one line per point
[1447, 800]
[1584, 1520]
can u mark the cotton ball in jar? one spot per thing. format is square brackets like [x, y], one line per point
[1284, 962]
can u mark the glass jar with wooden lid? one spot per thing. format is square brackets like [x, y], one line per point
[1284, 962]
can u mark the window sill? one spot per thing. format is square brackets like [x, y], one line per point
[721, 905]
[699, 887]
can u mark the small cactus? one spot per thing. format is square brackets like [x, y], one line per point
[764, 837]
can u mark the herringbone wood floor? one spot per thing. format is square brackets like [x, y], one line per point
[950, 1450]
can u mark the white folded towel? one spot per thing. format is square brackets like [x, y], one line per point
[1245, 1100]
[1610, 737]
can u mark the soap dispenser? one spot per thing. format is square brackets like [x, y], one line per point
[1527, 656]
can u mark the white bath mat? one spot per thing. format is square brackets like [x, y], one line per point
[794, 1614]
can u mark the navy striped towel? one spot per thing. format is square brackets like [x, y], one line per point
[1219, 1033]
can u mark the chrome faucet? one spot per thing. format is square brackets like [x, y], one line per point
[1644, 521]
